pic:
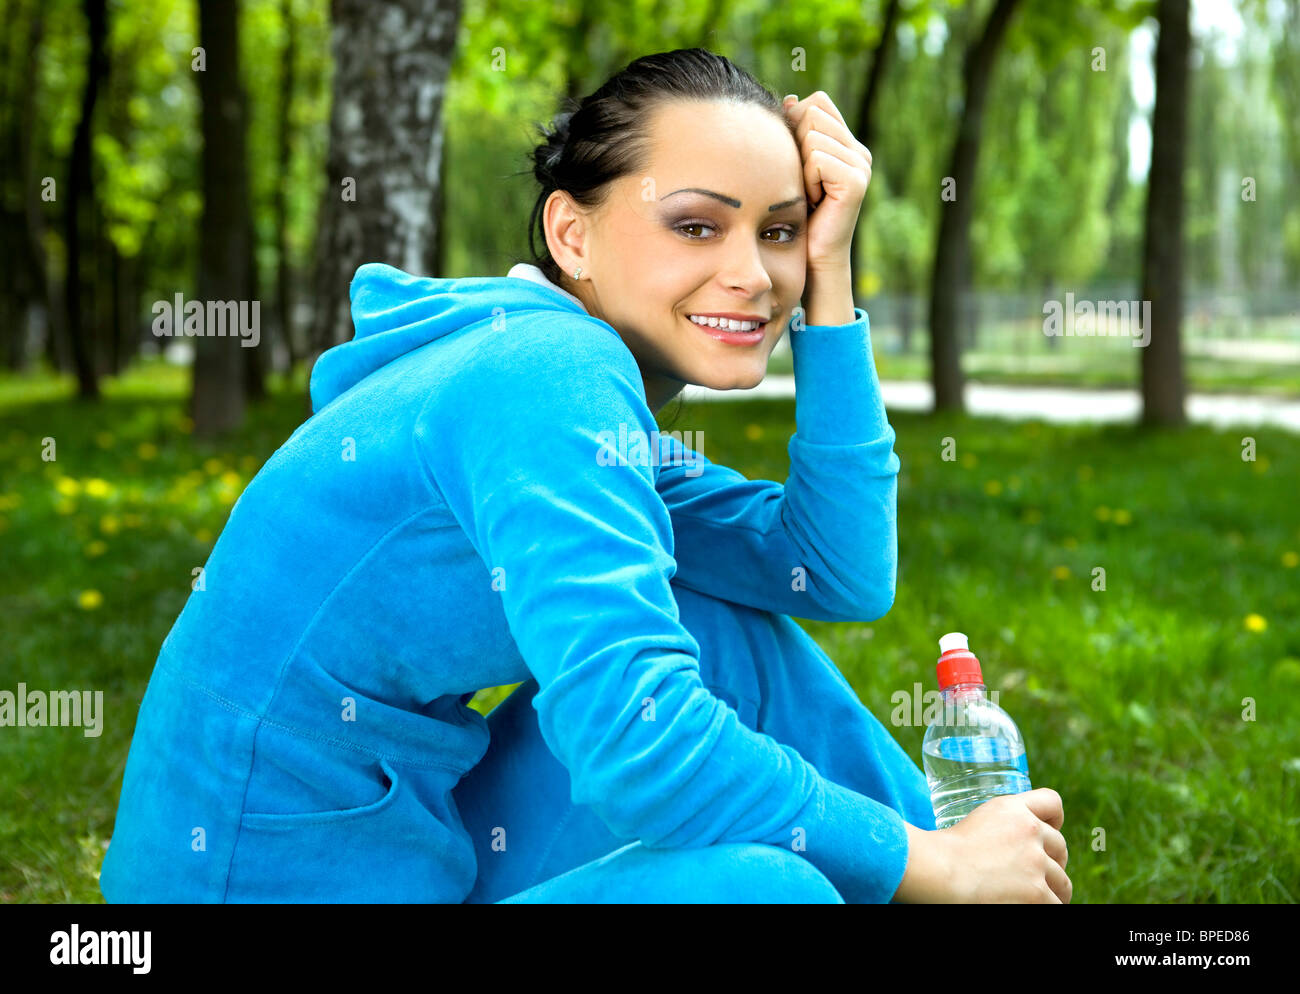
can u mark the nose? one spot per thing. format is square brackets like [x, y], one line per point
[745, 272]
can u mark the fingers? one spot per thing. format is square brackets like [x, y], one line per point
[1054, 844]
[1059, 882]
[828, 163]
[1046, 803]
[817, 112]
[818, 99]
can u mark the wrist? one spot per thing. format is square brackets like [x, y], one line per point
[828, 295]
[927, 877]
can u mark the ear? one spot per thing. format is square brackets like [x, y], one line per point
[565, 225]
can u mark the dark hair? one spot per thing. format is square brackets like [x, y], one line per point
[592, 142]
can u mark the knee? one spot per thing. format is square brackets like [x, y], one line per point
[756, 873]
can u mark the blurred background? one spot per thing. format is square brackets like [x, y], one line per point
[1027, 156]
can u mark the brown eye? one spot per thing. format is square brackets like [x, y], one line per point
[693, 224]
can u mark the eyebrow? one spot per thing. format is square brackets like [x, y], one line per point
[729, 201]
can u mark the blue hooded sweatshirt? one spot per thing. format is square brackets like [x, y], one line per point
[482, 496]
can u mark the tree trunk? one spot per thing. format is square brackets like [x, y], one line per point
[80, 194]
[283, 273]
[128, 315]
[217, 384]
[117, 329]
[952, 253]
[904, 309]
[866, 129]
[255, 357]
[391, 62]
[1163, 388]
[438, 253]
[48, 294]
[17, 289]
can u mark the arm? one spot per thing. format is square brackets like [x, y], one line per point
[824, 545]
[587, 554]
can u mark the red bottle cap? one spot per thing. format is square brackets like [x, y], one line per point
[957, 664]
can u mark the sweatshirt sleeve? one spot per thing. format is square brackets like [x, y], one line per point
[516, 445]
[824, 545]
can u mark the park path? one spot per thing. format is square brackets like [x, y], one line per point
[1062, 405]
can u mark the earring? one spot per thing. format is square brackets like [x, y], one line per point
[577, 273]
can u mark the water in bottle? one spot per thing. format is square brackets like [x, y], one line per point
[973, 751]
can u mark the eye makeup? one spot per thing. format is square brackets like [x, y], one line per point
[793, 230]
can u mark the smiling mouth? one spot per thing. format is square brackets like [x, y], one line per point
[732, 337]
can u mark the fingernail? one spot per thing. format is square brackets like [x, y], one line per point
[788, 97]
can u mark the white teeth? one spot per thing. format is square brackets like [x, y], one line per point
[726, 324]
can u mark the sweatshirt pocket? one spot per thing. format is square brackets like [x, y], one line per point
[377, 852]
[274, 822]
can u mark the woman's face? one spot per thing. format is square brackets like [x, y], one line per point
[660, 249]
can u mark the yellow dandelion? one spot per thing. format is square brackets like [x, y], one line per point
[88, 600]
[96, 548]
[968, 459]
[109, 524]
[103, 439]
[1102, 513]
[10, 501]
[213, 466]
[248, 463]
[1085, 472]
[204, 535]
[1070, 542]
[1122, 517]
[753, 432]
[231, 479]
[1261, 464]
[1290, 560]
[992, 487]
[132, 520]
[67, 486]
[1061, 572]
[1032, 516]
[98, 488]
[147, 451]
[1256, 622]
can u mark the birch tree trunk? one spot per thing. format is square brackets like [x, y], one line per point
[391, 63]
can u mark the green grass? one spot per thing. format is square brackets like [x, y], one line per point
[1130, 699]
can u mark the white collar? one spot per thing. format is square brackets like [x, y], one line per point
[527, 271]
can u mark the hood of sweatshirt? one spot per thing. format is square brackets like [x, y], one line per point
[395, 313]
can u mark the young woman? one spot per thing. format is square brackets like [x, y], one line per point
[482, 497]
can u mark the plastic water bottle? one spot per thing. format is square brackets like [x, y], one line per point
[974, 751]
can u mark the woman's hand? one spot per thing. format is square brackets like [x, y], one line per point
[1009, 850]
[836, 172]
